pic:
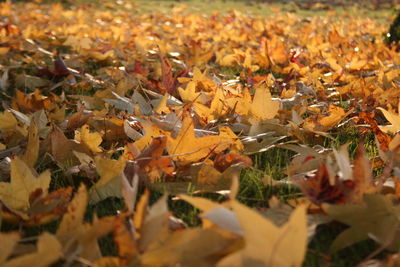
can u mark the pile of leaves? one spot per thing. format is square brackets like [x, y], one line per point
[101, 102]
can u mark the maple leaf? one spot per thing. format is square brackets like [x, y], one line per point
[224, 161]
[150, 130]
[78, 237]
[197, 82]
[393, 118]
[48, 251]
[189, 94]
[35, 101]
[216, 107]
[78, 119]
[17, 193]
[263, 107]
[90, 140]
[240, 104]
[319, 189]
[267, 244]
[340, 183]
[188, 247]
[32, 150]
[186, 148]
[8, 122]
[320, 123]
[167, 80]
[62, 149]
[42, 210]
[111, 175]
[151, 160]
[377, 218]
[382, 137]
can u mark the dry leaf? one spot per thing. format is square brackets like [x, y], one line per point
[17, 193]
[187, 148]
[90, 140]
[49, 250]
[267, 244]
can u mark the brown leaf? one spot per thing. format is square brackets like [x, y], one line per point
[362, 176]
[124, 239]
[33, 102]
[32, 149]
[62, 149]
[78, 119]
[225, 160]
[168, 82]
[383, 138]
[318, 188]
[152, 162]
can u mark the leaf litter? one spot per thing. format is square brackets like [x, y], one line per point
[122, 101]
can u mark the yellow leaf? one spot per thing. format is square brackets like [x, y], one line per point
[228, 60]
[201, 203]
[217, 103]
[48, 252]
[10, 123]
[7, 121]
[263, 107]
[4, 50]
[241, 104]
[248, 62]
[319, 124]
[189, 93]
[58, 114]
[91, 140]
[72, 221]
[357, 64]
[227, 132]
[23, 182]
[8, 242]
[77, 236]
[265, 243]
[215, 110]
[108, 168]
[198, 76]
[155, 229]
[32, 150]
[78, 44]
[186, 148]
[393, 118]
[150, 130]
[162, 107]
[336, 114]
[189, 247]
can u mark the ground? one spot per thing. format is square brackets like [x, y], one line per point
[86, 58]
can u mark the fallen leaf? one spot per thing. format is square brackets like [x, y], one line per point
[263, 107]
[90, 140]
[186, 148]
[377, 218]
[16, 194]
[32, 150]
[267, 244]
[49, 250]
